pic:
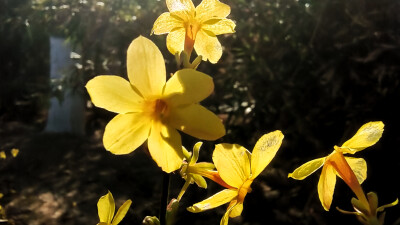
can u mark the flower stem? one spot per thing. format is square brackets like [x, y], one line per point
[164, 198]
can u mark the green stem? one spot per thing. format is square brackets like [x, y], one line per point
[164, 198]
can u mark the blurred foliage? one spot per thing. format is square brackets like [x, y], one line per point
[316, 70]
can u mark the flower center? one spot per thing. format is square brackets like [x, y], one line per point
[156, 109]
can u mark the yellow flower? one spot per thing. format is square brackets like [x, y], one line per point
[106, 209]
[14, 152]
[352, 170]
[238, 168]
[149, 108]
[189, 27]
[3, 155]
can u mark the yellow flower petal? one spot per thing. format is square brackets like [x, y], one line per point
[359, 167]
[209, 9]
[113, 93]
[146, 67]
[225, 218]
[121, 212]
[307, 168]
[176, 40]
[165, 23]
[219, 26]
[216, 200]
[165, 147]
[180, 5]
[233, 163]
[264, 151]
[366, 136]
[196, 121]
[236, 210]
[126, 132]
[208, 46]
[187, 86]
[326, 186]
[106, 208]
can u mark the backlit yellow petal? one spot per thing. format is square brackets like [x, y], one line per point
[264, 151]
[176, 40]
[180, 5]
[165, 23]
[233, 163]
[187, 86]
[126, 132]
[165, 147]
[225, 218]
[106, 208]
[146, 67]
[14, 152]
[219, 26]
[196, 121]
[359, 167]
[236, 210]
[121, 212]
[113, 93]
[307, 168]
[326, 186]
[366, 136]
[3, 155]
[208, 46]
[209, 9]
[216, 200]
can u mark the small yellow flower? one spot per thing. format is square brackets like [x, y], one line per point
[3, 155]
[189, 27]
[352, 170]
[149, 108]
[238, 168]
[193, 172]
[14, 152]
[106, 209]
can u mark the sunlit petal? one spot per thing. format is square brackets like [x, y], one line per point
[209, 9]
[146, 67]
[216, 200]
[366, 136]
[219, 26]
[176, 40]
[236, 210]
[180, 5]
[233, 163]
[359, 167]
[326, 186]
[126, 132]
[208, 46]
[264, 151]
[106, 208]
[197, 121]
[225, 218]
[307, 168]
[165, 23]
[114, 94]
[187, 86]
[121, 212]
[165, 147]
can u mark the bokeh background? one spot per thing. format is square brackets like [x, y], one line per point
[316, 70]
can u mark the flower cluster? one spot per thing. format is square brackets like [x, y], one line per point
[153, 109]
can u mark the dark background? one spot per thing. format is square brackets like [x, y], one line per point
[316, 70]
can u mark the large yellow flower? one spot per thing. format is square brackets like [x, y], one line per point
[238, 168]
[189, 27]
[352, 170]
[149, 108]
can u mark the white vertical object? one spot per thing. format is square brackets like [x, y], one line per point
[67, 115]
